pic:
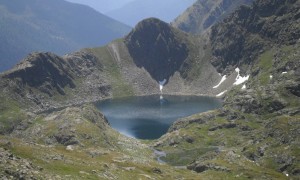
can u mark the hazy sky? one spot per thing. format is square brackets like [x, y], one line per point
[131, 12]
[137, 10]
[102, 6]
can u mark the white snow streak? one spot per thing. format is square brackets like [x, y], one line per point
[222, 80]
[161, 84]
[221, 93]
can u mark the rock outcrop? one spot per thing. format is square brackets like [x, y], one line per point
[14, 167]
[43, 71]
[242, 36]
[42, 77]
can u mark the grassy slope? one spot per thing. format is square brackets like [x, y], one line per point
[11, 114]
[119, 86]
[102, 152]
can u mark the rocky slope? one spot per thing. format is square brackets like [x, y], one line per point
[77, 143]
[255, 134]
[240, 38]
[204, 13]
[44, 80]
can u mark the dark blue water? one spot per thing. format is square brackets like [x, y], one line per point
[149, 117]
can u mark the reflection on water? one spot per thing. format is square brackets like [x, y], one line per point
[149, 117]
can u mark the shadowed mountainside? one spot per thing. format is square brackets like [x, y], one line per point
[161, 51]
[205, 13]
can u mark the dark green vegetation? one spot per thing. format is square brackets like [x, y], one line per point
[254, 135]
[55, 26]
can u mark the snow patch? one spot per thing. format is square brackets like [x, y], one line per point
[221, 93]
[240, 79]
[161, 88]
[222, 80]
[284, 73]
[244, 87]
[271, 77]
[161, 84]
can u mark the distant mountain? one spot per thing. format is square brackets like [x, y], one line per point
[56, 25]
[205, 13]
[102, 6]
[166, 10]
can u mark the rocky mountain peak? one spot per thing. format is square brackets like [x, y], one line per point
[157, 47]
[43, 71]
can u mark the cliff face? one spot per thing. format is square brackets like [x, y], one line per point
[158, 47]
[205, 13]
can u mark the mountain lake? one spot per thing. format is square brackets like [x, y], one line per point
[149, 117]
